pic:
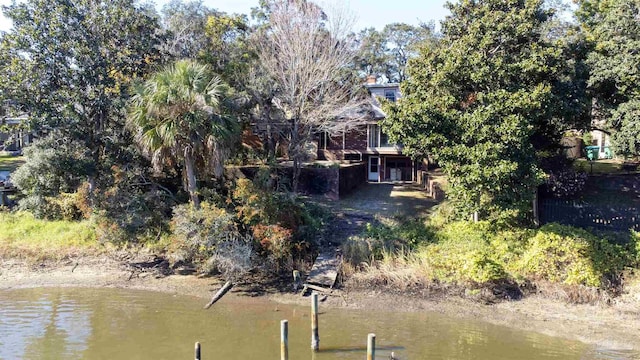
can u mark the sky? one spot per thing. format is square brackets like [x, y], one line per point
[369, 13]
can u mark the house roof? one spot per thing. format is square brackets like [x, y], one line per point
[381, 86]
[14, 120]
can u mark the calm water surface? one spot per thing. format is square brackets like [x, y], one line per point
[67, 323]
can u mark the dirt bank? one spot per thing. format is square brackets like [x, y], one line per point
[613, 326]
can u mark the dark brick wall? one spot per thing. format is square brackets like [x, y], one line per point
[354, 140]
[351, 177]
[332, 182]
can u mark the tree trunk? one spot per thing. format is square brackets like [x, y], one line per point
[270, 143]
[295, 154]
[191, 178]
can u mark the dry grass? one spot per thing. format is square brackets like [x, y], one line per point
[573, 294]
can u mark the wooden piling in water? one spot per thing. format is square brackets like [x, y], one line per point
[284, 340]
[371, 346]
[198, 351]
[315, 337]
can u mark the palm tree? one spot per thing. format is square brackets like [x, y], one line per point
[178, 119]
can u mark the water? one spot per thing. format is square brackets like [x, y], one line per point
[65, 323]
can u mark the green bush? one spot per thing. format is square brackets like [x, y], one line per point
[634, 247]
[362, 249]
[572, 256]
[465, 252]
[400, 233]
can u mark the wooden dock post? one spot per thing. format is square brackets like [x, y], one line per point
[198, 351]
[315, 337]
[284, 340]
[371, 346]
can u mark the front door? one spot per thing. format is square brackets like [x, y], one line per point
[374, 168]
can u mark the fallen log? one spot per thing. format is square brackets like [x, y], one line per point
[223, 290]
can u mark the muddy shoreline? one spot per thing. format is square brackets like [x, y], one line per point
[614, 326]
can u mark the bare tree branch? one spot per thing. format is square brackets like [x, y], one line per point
[307, 53]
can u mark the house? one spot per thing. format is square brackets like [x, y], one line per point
[369, 144]
[14, 137]
[602, 140]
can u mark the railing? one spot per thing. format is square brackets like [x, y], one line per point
[586, 215]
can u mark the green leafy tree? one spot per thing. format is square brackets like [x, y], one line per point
[613, 28]
[385, 53]
[179, 118]
[373, 53]
[477, 99]
[69, 65]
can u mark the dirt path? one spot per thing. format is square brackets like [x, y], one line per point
[369, 202]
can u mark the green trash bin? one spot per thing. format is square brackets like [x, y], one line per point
[608, 153]
[592, 152]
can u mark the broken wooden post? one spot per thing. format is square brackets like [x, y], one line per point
[198, 351]
[371, 346]
[284, 340]
[227, 286]
[315, 337]
[297, 280]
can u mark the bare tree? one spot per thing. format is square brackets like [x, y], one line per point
[307, 54]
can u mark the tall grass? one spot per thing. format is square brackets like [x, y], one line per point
[25, 237]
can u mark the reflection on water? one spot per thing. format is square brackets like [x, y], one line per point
[123, 324]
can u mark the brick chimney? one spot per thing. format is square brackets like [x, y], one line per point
[371, 79]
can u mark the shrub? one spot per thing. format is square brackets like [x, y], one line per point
[259, 206]
[481, 253]
[572, 256]
[359, 250]
[53, 165]
[463, 252]
[635, 247]
[275, 241]
[196, 233]
[130, 209]
[232, 258]
[255, 205]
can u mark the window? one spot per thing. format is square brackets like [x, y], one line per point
[322, 141]
[374, 136]
[384, 139]
[390, 95]
[353, 157]
[377, 137]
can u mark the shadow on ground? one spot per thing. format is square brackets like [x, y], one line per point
[370, 201]
[388, 200]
